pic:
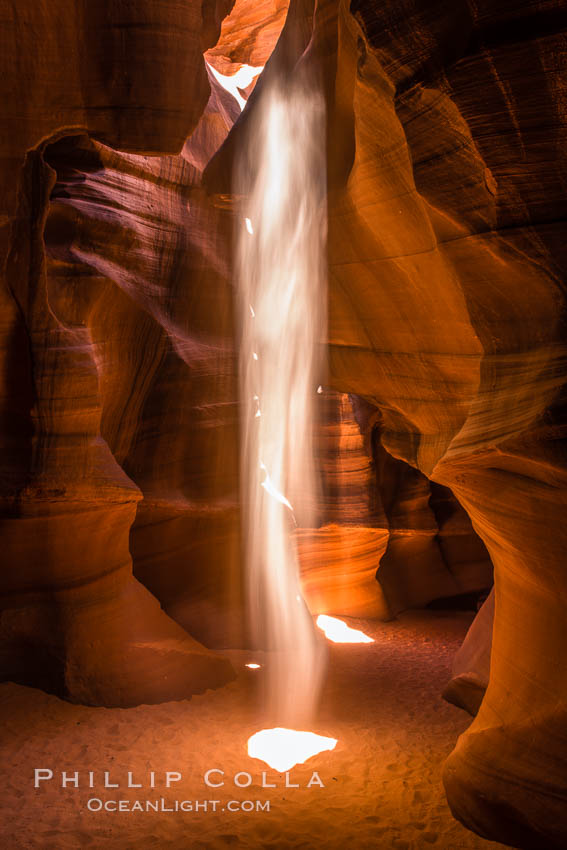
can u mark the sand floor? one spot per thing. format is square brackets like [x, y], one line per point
[382, 782]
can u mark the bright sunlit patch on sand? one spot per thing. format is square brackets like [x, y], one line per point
[253, 666]
[338, 631]
[282, 749]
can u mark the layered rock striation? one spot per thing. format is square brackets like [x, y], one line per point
[388, 539]
[97, 335]
[446, 133]
[446, 266]
[445, 144]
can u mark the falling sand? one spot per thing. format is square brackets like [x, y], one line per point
[281, 290]
[382, 781]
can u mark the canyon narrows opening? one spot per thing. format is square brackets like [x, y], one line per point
[281, 294]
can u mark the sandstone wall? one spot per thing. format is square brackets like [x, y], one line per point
[446, 274]
[447, 268]
[95, 339]
[446, 271]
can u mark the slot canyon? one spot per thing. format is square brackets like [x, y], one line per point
[417, 191]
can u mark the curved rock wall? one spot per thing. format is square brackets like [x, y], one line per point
[388, 539]
[446, 257]
[91, 298]
[446, 268]
[433, 551]
[471, 664]
[248, 34]
[447, 314]
[339, 559]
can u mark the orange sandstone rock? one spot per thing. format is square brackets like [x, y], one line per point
[446, 219]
